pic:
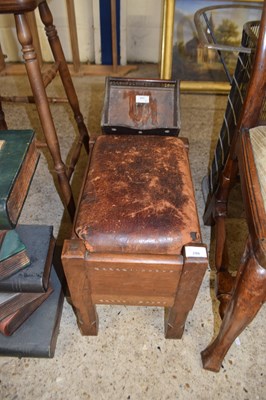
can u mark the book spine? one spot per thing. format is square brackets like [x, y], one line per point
[11, 204]
[37, 336]
[17, 302]
[35, 277]
[23, 285]
[32, 346]
[28, 351]
[10, 324]
[21, 187]
[5, 222]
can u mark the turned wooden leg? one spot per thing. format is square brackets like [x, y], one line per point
[224, 280]
[39, 94]
[248, 297]
[79, 286]
[3, 125]
[59, 57]
[192, 274]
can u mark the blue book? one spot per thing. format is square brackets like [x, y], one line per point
[39, 242]
[37, 336]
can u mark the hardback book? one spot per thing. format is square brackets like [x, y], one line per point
[18, 161]
[39, 242]
[13, 254]
[12, 322]
[37, 336]
[12, 302]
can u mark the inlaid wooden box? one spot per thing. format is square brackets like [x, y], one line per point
[141, 106]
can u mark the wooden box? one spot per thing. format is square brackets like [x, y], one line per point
[141, 106]
[136, 238]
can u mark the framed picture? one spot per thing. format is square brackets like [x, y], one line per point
[183, 56]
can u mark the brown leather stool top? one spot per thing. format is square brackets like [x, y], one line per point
[138, 197]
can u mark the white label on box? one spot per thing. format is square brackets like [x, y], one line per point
[194, 251]
[142, 99]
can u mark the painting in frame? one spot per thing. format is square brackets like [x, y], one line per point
[183, 57]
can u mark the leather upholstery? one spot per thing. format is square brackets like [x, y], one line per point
[138, 197]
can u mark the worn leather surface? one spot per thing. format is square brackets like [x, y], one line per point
[138, 197]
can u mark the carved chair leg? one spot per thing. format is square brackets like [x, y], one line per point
[59, 57]
[79, 286]
[248, 297]
[37, 86]
[224, 280]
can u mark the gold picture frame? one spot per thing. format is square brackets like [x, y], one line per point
[167, 51]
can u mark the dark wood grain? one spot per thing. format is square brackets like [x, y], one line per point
[241, 297]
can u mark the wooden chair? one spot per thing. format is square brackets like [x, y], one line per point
[21, 10]
[241, 297]
[136, 236]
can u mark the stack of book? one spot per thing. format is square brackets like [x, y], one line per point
[31, 297]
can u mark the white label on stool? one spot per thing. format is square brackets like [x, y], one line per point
[142, 99]
[194, 251]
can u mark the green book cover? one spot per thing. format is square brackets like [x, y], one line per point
[13, 255]
[11, 245]
[18, 161]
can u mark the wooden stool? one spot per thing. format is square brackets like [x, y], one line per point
[136, 236]
[20, 8]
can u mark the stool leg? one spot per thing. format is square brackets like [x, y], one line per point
[79, 286]
[186, 293]
[3, 125]
[59, 57]
[248, 297]
[39, 94]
